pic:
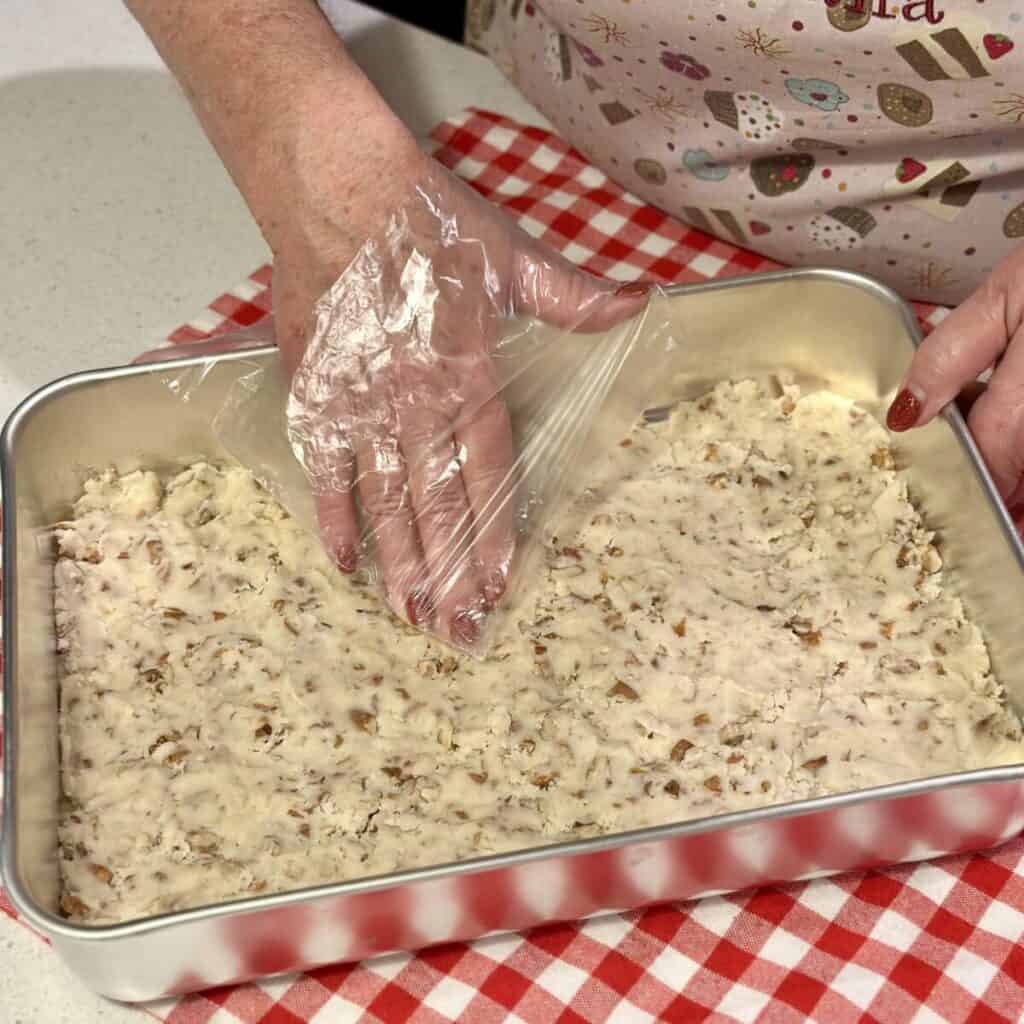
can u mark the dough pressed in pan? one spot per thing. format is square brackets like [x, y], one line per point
[743, 609]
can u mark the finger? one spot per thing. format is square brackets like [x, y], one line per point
[484, 436]
[384, 494]
[550, 288]
[329, 461]
[967, 342]
[336, 511]
[441, 506]
[997, 419]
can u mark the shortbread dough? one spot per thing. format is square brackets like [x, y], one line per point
[751, 613]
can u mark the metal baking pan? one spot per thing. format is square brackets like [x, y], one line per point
[828, 328]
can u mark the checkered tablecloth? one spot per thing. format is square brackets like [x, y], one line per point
[934, 942]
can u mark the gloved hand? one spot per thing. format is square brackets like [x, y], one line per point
[986, 330]
[395, 400]
[397, 390]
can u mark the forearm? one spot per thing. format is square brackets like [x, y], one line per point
[271, 84]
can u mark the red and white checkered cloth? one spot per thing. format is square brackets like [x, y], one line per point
[935, 942]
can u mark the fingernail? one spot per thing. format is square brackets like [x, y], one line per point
[494, 588]
[345, 556]
[904, 411]
[466, 627]
[633, 289]
[417, 607]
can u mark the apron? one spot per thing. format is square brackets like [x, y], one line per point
[872, 135]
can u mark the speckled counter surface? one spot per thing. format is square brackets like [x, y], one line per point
[117, 223]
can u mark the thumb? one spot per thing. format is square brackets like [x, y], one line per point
[997, 421]
[550, 288]
[968, 342]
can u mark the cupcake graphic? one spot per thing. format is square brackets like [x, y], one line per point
[841, 229]
[749, 113]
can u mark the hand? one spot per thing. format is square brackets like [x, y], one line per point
[408, 418]
[396, 398]
[986, 330]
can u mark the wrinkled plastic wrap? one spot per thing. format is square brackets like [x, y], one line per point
[447, 397]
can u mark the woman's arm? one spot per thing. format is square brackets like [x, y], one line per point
[271, 82]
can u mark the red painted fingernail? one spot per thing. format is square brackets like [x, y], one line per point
[1017, 512]
[494, 588]
[633, 289]
[466, 627]
[417, 607]
[904, 411]
[345, 556]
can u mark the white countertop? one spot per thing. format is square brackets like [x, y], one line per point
[118, 223]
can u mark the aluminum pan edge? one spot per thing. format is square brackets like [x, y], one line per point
[57, 927]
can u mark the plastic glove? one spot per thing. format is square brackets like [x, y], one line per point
[397, 398]
[985, 331]
[324, 166]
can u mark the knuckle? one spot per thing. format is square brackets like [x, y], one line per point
[444, 502]
[477, 379]
[1006, 389]
[938, 361]
[493, 416]
[383, 494]
[383, 505]
[331, 484]
[487, 436]
[430, 438]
